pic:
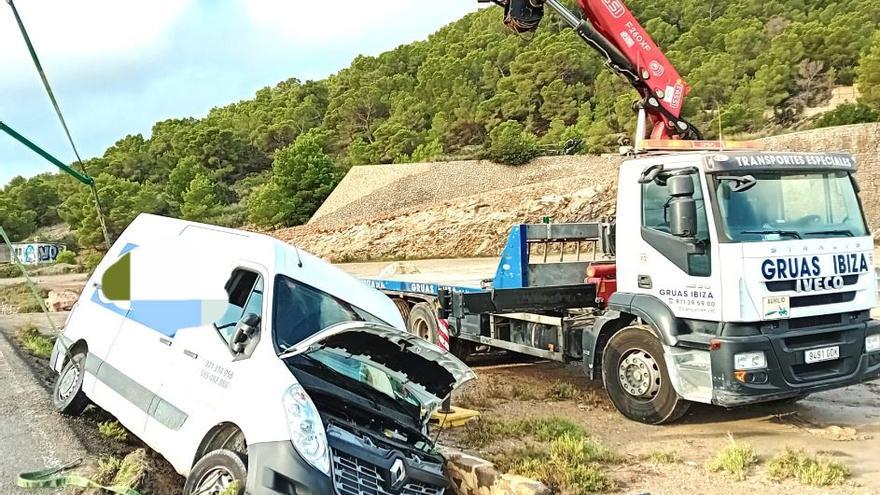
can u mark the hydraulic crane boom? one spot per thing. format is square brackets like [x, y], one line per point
[610, 28]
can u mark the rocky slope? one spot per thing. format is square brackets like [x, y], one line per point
[465, 209]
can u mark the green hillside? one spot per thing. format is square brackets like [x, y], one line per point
[472, 89]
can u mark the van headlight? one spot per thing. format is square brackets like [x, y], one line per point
[872, 343]
[749, 360]
[306, 429]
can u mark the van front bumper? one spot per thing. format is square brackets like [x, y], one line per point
[787, 374]
[277, 468]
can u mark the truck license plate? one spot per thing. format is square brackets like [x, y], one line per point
[823, 354]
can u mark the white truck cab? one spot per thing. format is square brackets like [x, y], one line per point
[755, 270]
[296, 378]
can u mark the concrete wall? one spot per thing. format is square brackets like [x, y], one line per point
[465, 209]
[374, 190]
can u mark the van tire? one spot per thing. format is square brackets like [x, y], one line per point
[422, 322]
[68, 397]
[634, 359]
[228, 464]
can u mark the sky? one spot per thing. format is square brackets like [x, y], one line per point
[118, 66]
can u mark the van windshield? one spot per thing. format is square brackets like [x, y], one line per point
[790, 205]
[300, 311]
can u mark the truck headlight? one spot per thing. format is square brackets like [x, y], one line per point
[306, 429]
[872, 343]
[749, 360]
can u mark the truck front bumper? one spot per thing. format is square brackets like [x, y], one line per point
[787, 373]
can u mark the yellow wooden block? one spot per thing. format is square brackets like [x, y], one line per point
[458, 416]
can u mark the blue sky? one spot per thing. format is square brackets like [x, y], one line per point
[118, 66]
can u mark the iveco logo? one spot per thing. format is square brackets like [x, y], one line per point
[398, 473]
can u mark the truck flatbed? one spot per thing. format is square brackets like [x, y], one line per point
[457, 272]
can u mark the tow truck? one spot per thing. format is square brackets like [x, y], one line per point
[730, 275]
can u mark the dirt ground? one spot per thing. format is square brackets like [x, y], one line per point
[695, 438]
[700, 434]
[161, 479]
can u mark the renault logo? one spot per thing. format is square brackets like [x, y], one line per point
[398, 473]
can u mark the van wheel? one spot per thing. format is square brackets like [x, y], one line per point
[215, 472]
[635, 376]
[67, 395]
[422, 322]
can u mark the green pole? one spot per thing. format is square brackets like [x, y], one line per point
[42, 73]
[13, 258]
[85, 179]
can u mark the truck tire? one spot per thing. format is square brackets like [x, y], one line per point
[402, 308]
[67, 395]
[422, 322]
[636, 378]
[215, 472]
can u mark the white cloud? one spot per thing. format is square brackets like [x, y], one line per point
[345, 20]
[65, 31]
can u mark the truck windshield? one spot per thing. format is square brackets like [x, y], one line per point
[785, 206]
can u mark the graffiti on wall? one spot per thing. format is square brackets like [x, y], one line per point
[32, 254]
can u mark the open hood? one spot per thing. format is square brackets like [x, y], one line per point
[428, 371]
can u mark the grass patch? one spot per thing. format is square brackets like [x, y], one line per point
[31, 339]
[113, 430]
[807, 469]
[735, 459]
[233, 489]
[20, 299]
[128, 472]
[663, 457]
[563, 391]
[486, 397]
[499, 390]
[10, 270]
[106, 470]
[487, 431]
[569, 463]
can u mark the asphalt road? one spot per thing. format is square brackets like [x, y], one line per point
[32, 436]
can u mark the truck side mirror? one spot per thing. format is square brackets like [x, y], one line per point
[682, 207]
[245, 329]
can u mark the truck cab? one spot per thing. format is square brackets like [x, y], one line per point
[754, 270]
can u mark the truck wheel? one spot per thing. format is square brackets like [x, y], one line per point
[215, 473]
[635, 376]
[402, 308]
[422, 322]
[67, 395]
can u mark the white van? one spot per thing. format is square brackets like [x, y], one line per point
[299, 380]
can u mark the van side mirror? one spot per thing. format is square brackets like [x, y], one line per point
[246, 328]
[682, 206]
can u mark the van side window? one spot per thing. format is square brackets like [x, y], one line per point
[245, 290]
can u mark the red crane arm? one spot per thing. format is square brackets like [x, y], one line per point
[616, 23]
[612, 30]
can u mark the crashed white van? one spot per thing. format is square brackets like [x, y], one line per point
[238, 357]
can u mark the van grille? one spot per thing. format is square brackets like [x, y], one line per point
[353, 476]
